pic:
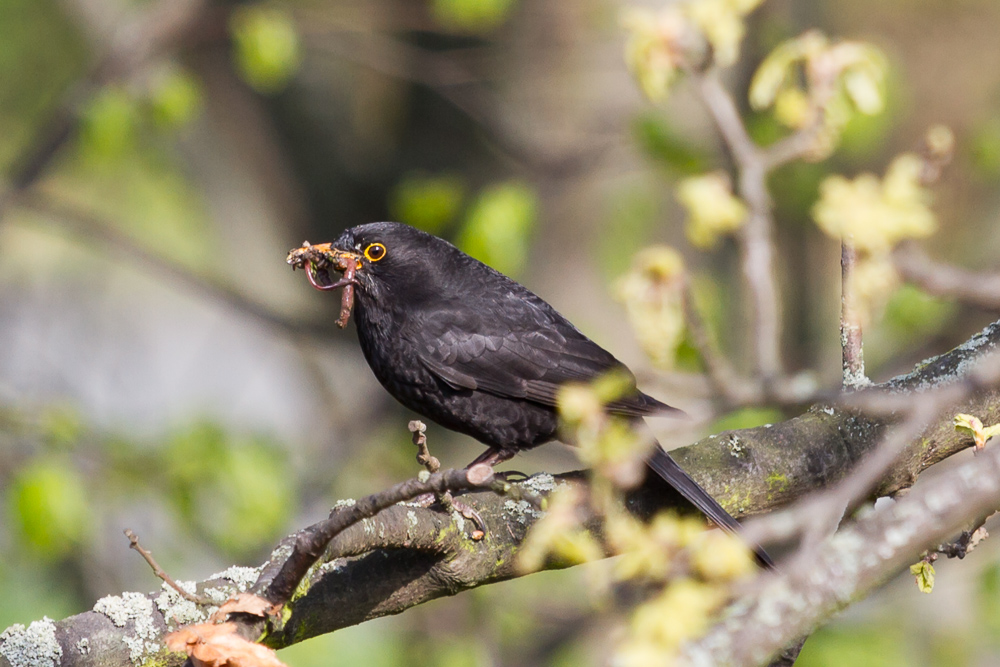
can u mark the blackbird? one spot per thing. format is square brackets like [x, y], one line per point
[462, 344]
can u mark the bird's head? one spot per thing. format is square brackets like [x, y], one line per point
[385, 261]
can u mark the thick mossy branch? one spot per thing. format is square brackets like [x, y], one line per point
[409, 554]
[751, 471]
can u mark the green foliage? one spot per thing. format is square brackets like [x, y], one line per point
[745, 418]
[266, 47]
[987, 602]
[873, 645]
[427, 202]
[41, 52]
[176, 98]
[659, 142]
[909, 318]
[160, 208]
[712, 209]
[653, 293]
[30, 591]
[472, 16]
[61, 426]
[237, 492]
[924, 574]
[48, 503]
[110, 124]
[985, 149]
[378, 643]
[633, 213]
[795, 188]
[912, 314]
[498, 226]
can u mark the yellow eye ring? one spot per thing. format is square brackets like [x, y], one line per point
[374, 252]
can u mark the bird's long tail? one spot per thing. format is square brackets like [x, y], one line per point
[665, 466]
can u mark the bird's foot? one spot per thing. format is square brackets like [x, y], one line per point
[511, 475]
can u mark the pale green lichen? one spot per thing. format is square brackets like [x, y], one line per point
[177, 610]
[137, 609]
[735, 446]
[34, 646]
[521, 511]
[243, 577]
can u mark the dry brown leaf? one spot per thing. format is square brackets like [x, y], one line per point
[211, 645]
[246, 603]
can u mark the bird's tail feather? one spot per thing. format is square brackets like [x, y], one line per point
[665, 466]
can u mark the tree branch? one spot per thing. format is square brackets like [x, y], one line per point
[407, 555]
[849, 565]
[971, 287]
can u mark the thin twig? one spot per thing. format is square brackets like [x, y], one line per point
[850, 321]
[90, 228]
[723, 379]
[133, 540]
[971, 287]
[965, 543]
[755, 237]
[310, 543]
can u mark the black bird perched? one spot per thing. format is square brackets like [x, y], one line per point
[464, 345]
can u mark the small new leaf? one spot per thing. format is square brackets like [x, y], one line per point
[924, 574]
[713, 210]
[973, 426]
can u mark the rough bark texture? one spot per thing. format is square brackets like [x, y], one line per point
[408, 554]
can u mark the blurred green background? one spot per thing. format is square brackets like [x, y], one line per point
[161, 368]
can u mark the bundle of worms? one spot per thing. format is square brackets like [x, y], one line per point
[316, 260]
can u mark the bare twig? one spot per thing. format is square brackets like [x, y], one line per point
[133, 541]
[971, 287]
[310, 543]
[966, 542]
[755, 237]
[725, 382]
[850, 321]
[89, 228]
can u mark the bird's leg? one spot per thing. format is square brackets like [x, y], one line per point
[493, 457]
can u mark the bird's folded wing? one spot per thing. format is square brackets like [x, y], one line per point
[528, 364]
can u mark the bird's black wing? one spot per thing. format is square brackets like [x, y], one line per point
[526, 351]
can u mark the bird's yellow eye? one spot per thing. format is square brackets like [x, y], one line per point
[374, 252]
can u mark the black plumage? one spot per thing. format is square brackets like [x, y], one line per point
[464, 345]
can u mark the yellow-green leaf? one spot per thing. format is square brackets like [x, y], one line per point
[924, 574]
[267, 49]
